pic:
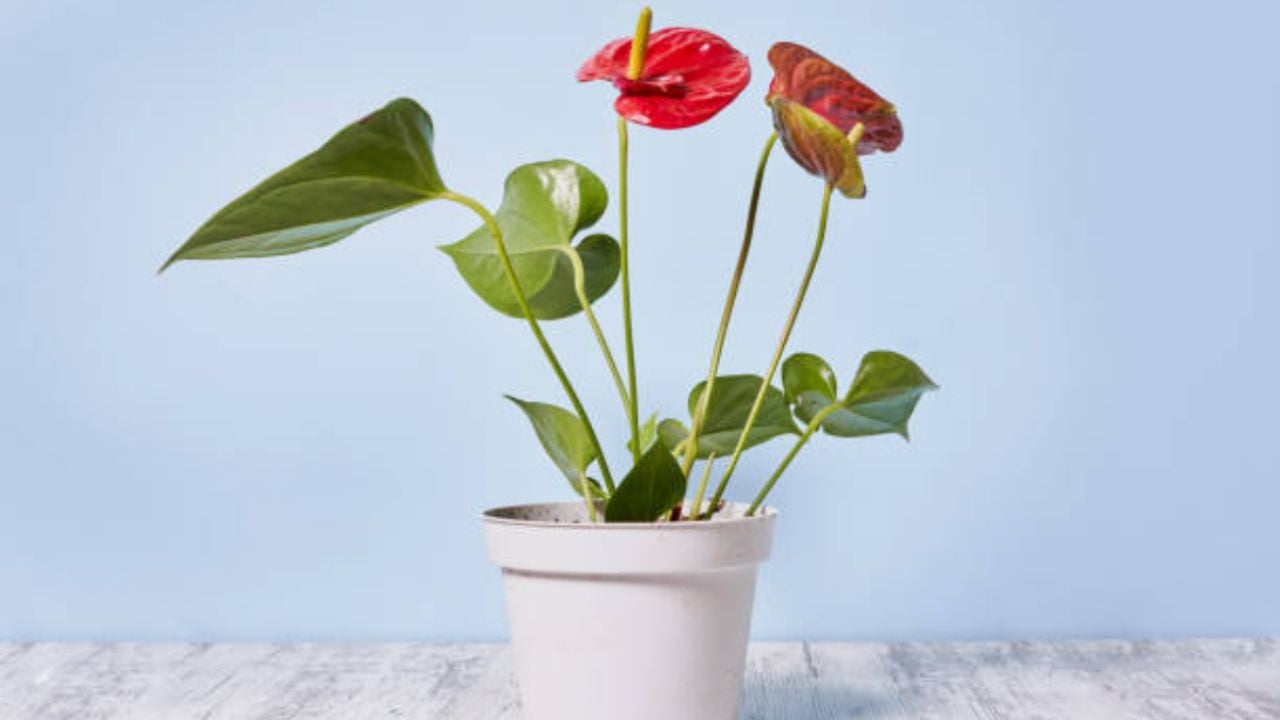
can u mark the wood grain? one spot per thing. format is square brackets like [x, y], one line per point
[1096, 680]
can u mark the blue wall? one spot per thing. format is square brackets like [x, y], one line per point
[1078, 239]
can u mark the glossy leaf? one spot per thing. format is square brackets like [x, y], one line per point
[880, 400]
[727, 412]
[565, 439]
[654, 486]
[372, 168]
[543, 207]
[809, 384]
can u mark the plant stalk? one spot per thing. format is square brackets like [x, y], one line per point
[635, 69]
[516, 289]
[814, 424]
[704, 400]
[580, 287]
[633, 412]
[782, 346]
[696, 508]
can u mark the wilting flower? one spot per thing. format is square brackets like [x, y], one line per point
[826, 118]
[689, 75]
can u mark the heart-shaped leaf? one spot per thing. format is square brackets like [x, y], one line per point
[372, 168]
[727, 412]
[564, 436]
[809, 383]
[654, 486]
[881, 399]
[543, 206]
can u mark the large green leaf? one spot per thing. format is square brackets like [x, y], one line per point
[564, 436]
[880, 400]
[654, 486]
[372, 168]
[727, 412]
[544, 205]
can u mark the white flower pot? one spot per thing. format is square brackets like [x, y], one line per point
[628, 621]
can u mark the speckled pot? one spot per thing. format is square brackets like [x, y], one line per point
[628, 621]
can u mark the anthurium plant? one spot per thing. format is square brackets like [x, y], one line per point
[536, 258]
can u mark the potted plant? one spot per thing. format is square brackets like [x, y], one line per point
[633, 601]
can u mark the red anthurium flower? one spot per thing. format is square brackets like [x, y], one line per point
[689, 75]
[826, 118]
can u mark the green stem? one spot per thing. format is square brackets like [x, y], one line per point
[516, 289]
[700, 411]
[633, 415]
[580, 287]
[586, 495]
[814, 424]
[696, 508]
[782, 346]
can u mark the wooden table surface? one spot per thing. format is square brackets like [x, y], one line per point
[1095, 680]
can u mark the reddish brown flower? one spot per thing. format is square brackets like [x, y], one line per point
[689, 75]
[819, 147]
[826, 118]
[803, 76]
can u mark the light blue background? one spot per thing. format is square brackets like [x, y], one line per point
[1078, 239]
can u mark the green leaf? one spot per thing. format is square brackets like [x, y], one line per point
[544, 205]
[880, 400]
[648, 434]
[654, 486]
[672, 432]
[809, 383]
[372, 168]
[564, 436]
[731, 400]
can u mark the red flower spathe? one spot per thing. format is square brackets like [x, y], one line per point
[826, 118]
[805, 77]
[689, 75]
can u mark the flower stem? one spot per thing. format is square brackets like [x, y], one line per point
[782, 346]
[814, 424]
[492, 224]
[633, 414]
[635, 70]
[580, 287]
[700, 411]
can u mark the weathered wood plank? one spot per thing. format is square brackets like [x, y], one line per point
[1111, 680]
[1222, 680]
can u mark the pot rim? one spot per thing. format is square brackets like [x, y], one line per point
[495, 516]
